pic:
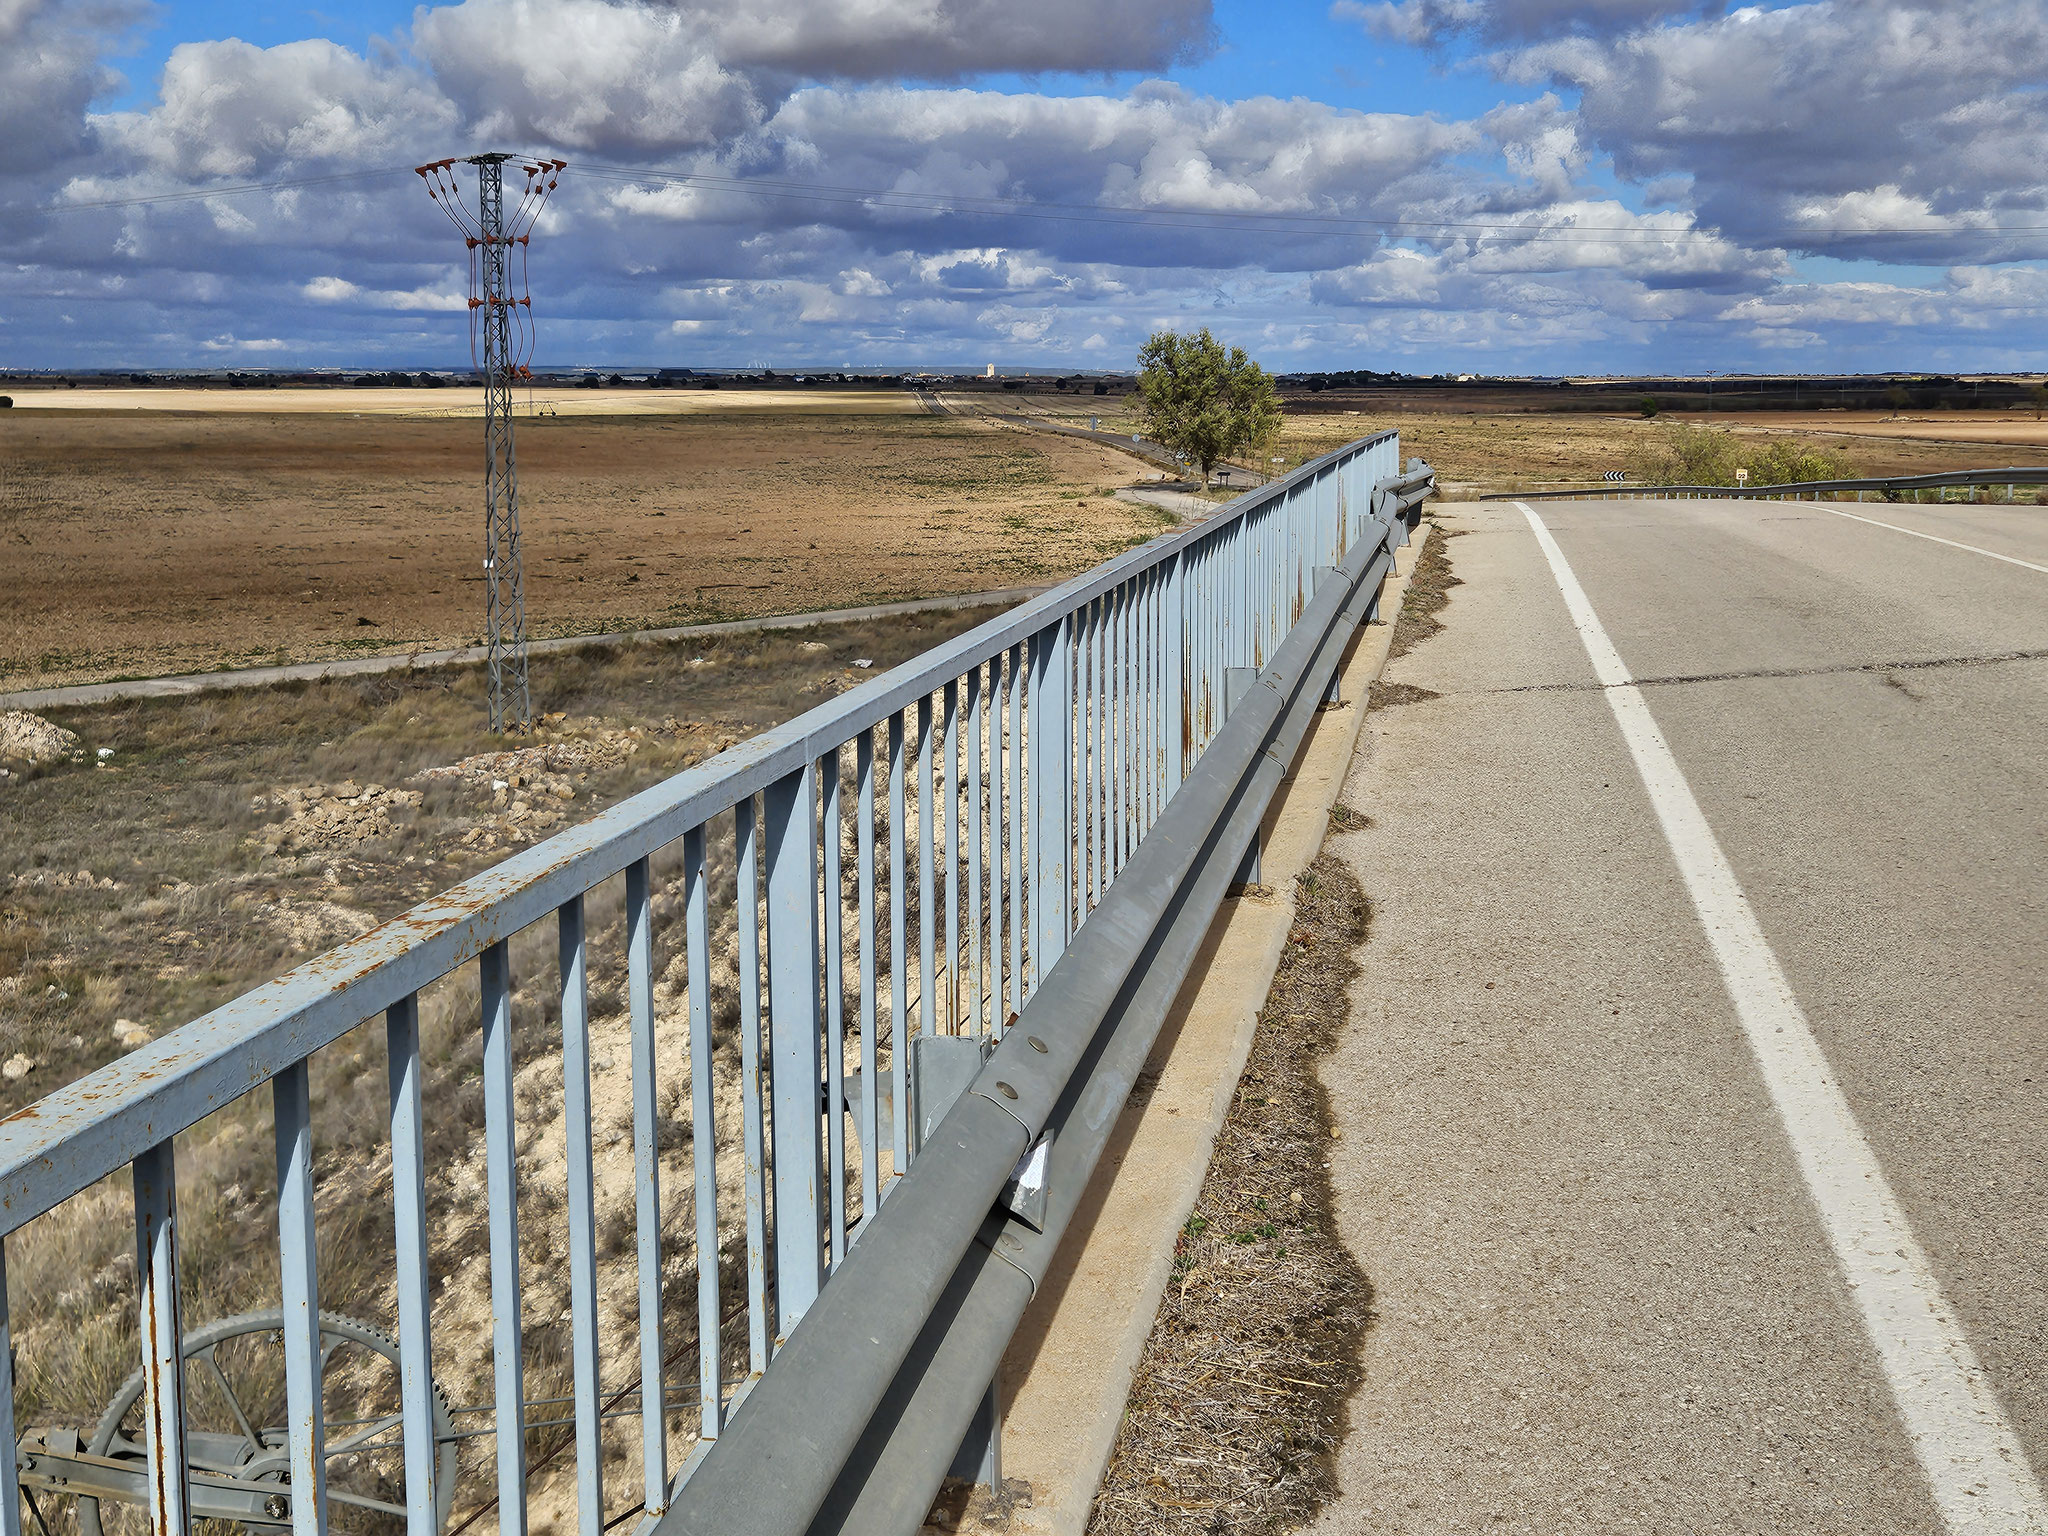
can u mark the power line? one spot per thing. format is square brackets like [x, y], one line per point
[202, 194]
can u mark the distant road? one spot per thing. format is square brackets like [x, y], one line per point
[1692, 1127]
[475, 655]
[1137, 447]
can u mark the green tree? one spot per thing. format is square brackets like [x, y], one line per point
[2039, 395]
[1649, 405]
[1203, 400]
[1695, 455]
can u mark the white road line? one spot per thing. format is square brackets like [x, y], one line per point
[1975, 1465]
[1931, 538]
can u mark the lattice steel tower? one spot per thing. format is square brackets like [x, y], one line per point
[503, 321]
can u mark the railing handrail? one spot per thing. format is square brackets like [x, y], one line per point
[779, 1463]
[80, 1133]
[2033, 474]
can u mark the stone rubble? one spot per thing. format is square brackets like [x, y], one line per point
[32, 739]
[327, 818]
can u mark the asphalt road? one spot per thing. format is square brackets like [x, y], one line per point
[1620, 1279]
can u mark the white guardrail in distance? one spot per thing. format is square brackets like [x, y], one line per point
[869, 897]
[1890, 487]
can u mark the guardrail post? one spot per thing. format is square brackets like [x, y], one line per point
[793, 1043]
[1333, 693]
[980, 1457]
[1237, 682]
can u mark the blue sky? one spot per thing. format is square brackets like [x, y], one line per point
[1543, 186]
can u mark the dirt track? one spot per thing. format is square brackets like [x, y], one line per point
[143, 543]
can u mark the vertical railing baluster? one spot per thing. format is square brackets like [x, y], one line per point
[870, 1054]
[10, 1474]
[1017, 905]
[581, 1175]
[1084, 756]
[833, 914]
[927, 904]
[1051, 727]
[703, 1132]
[646, 1179]
[976, 741]
[1178, 711]
[508, 1370]
[794, 1047]
[899, 946]
[1034, 811]
[409, 1238]
[747, 836]
[1126, 716]
[951, 802]
[1148, 691]
[155, 1176]
[299, 1289]
[997, 798]
[1160, 673]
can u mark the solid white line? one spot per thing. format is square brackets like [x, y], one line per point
[1974, 1463]
[1931, 538]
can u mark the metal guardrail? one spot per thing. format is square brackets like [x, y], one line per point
[1890, 487]
[983, 871]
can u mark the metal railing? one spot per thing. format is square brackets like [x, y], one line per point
[919, 925]
[1890, 487]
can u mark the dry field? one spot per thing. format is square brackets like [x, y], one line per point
[1510, 440]
[231, 836]
[462, 400]
[1476, 450]
[141, 543]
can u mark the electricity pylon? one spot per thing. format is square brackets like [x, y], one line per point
[505, 323]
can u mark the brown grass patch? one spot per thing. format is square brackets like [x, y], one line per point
[206, 879]
[1429, 591]
[1239, 1399]
[141, 544]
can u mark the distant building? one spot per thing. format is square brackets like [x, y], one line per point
[990, 372]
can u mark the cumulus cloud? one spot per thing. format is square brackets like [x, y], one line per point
[52, 64]
[951, 39]
[1437, 23]
[1859, 116]
[230, 109]
[922, 217]
[587, 74]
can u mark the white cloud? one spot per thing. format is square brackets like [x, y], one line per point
[586, 74]
[330, 290]
[1316, 232]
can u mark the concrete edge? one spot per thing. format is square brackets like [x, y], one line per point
[1069, 1371]
[74, 694]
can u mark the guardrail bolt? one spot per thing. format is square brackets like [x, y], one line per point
[1035, 1043]
[1006, 1090]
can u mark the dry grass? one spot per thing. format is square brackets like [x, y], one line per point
[198, 911]
[141, 544]
[1507, 450]
[1429, 592]
[1239, 1397]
